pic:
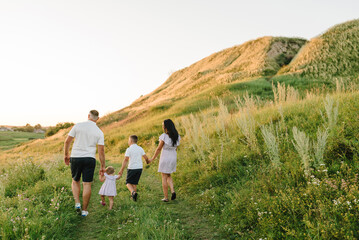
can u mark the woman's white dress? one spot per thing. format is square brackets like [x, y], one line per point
[168, 159]
[109, 186]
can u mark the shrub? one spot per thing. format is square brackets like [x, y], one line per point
[53, 130]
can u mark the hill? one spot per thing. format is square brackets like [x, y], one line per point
[269, 150]
[333, 54]
[261, 57]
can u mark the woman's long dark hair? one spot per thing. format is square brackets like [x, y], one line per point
[171, 130]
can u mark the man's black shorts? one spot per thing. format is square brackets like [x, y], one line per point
[85, 166]
[133, 176]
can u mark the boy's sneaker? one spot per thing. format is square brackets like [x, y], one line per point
[134, 196]
[84, 213]
[78, 207]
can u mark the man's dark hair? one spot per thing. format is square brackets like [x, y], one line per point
[134, 138]
[94, 114]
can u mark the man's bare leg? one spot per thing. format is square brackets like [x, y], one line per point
[76, 189]
[86, 195]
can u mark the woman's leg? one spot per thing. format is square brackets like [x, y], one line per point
[111, 202]
[165, 185]
[170, 182]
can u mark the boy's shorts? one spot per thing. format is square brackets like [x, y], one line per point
[133, 176]
[84, 166]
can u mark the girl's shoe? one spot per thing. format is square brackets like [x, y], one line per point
[164, 200]
[103, 203]
[173, 197]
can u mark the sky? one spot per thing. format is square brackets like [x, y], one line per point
[60, 59]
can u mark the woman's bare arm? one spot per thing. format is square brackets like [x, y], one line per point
[158, 150]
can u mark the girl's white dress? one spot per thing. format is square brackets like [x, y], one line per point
[109, 186]
[168, 159]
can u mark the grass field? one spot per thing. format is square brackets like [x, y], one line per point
[9, 139]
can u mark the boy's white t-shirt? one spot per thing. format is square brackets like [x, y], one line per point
[135, 153]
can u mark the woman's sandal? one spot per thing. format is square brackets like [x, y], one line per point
[173, 197]
[103, 203]
[164, 200]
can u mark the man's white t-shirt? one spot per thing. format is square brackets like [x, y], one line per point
[87, 135]
[135, 153]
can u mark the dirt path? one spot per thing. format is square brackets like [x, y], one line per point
[148, 218]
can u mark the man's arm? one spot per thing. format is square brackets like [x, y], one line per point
[124, 164]
[67, 145]
[101, 154]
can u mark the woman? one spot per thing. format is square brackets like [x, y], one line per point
[168, 144]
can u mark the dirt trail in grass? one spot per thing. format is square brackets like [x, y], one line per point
[148, 218]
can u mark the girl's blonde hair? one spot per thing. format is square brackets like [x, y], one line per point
[110, 170]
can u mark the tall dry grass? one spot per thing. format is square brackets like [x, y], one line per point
[331, 112]
[270, 139]
[283, 93]
[302, 145]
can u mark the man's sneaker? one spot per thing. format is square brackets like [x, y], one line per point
[84, 213]
[78, 207]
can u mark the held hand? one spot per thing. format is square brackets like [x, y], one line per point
[67, 160]
[102, 171]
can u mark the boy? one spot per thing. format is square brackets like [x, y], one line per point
[134, 156]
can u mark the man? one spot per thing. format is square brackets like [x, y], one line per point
[87, 135]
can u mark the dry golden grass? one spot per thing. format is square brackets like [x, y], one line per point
[330, 55]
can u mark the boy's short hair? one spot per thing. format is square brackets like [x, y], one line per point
[134, 138]
[110, 170]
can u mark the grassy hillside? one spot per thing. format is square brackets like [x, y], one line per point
[260, 57]
[268, 150]
[331, 55]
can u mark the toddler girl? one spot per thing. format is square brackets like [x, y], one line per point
[109, 186]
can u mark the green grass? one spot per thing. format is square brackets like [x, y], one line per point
[43, 208]
[36, 201]
[148, 218]
[9, 139]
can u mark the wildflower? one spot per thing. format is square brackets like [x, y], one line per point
[25, 209]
